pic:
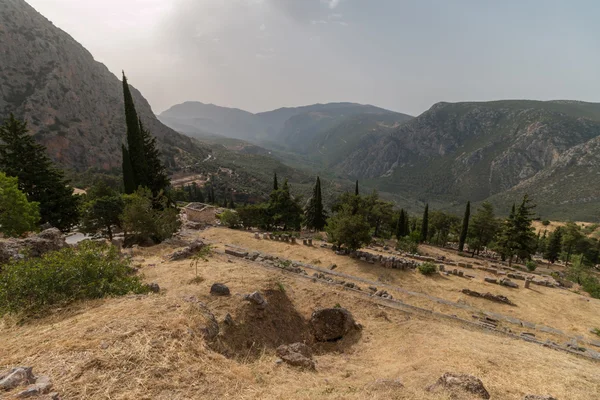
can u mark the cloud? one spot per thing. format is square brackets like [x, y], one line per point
[332, 3]
[262, 28]
[317, 21]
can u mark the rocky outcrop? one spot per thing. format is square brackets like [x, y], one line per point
[34, 246]
[187, 251]
[72, 103]
[331, 324]
[460, 384]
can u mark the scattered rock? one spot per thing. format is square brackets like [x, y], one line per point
[219, 289]
[460, 383]
[41, 386]
[16, 377]
[187, 251]
[34, 246]
[538, 397]
[508, 283]
[331, 324]
[333, 266]
[154, 287]
[257, 299]
[490, 280]
[228, 320]
[296, 354]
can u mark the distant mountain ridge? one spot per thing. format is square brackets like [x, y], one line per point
[288, 126]
[72, 103]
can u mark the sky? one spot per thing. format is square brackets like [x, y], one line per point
[403, 55]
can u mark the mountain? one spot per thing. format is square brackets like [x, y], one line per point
[297, 128]
[456, 152]
[72, 103]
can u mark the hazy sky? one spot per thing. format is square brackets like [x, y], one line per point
[403, 55]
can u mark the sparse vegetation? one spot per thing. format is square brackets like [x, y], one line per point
[230, 219]
[427, 268]
[92, 270]
[17, 215]
[531, 265]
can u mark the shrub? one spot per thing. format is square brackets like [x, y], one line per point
[596, 331]
[90, 271]
[230, 219]
[407, 245]
[531, 265]
[427, 268]
[545, 222]
[17, 215]
[318, 236]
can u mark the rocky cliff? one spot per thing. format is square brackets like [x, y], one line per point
[73, 104]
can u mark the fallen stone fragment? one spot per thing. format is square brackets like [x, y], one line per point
[331, 324]
[460, 383]
[17, 377]
[538, 397]
[187, 251]
[296, 354]
[256, 299]
[219, 289]
[41, 386]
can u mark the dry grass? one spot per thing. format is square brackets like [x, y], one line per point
[539, 227]
[144, 347]
[557, 308]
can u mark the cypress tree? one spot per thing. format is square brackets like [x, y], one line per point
[401, 227]
[157, 179]
[38, 178]
[407, 224]
[275, 184]
[465, 227]
[425, 224]
[128, 181]
[356, 192]
[314, 213]
[135, 140]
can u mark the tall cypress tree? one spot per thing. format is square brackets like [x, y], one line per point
[128, 181]
[425, 224]
[554, 247]
[315, 214]
[38, 178]
[407, 223]
[157, 179]
[275, 184]
[401, 227]
[465, 227]
[356, 192]
[135, 140]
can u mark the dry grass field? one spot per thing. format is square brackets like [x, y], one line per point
[146, 347]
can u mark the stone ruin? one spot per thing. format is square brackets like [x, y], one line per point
[387, 262]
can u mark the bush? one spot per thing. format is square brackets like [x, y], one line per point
[145, 222]
[318, 236]
[427, 268]
[90, 271]
[545, 222]
[407, 245]
[230, 219]
[17, 215]
[531, 265]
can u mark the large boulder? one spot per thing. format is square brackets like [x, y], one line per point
[219, 289]
[33, 246]
[331, 324]
[460, 385]
[297, 355]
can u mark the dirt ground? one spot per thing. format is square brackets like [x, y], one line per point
[145, 347]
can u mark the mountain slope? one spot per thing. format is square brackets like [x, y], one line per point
[73, 104]
[473, 151]
[292, 128]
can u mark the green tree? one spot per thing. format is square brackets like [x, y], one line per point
[284, 209]
[379, 213]
[348, 229]
[143, 223]
[255, 215]
[465, 227]
[440, 226]
[554, 247]
[144, 166]
[230, 219]
[572, 239]
[38, 178]
[275, 183]
[356, 192]
[425, 224]
[128, 180]
[314, 214]
[17, 215]
[483, 228]
[102, 210]
[518, 235]
[401, 226]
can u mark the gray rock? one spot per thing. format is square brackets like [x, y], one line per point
[331, 324]
[333, 266]
[187, 251]
[538, 397]
[154, 287]
[42, 385]
[16, 377]
[257, 299]
[219, 289]
[297, 354]
[460, 383]
[34, 246]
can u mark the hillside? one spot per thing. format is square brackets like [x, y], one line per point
[72, 103]
[167, 346]
[496, 150]
[297, 128]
